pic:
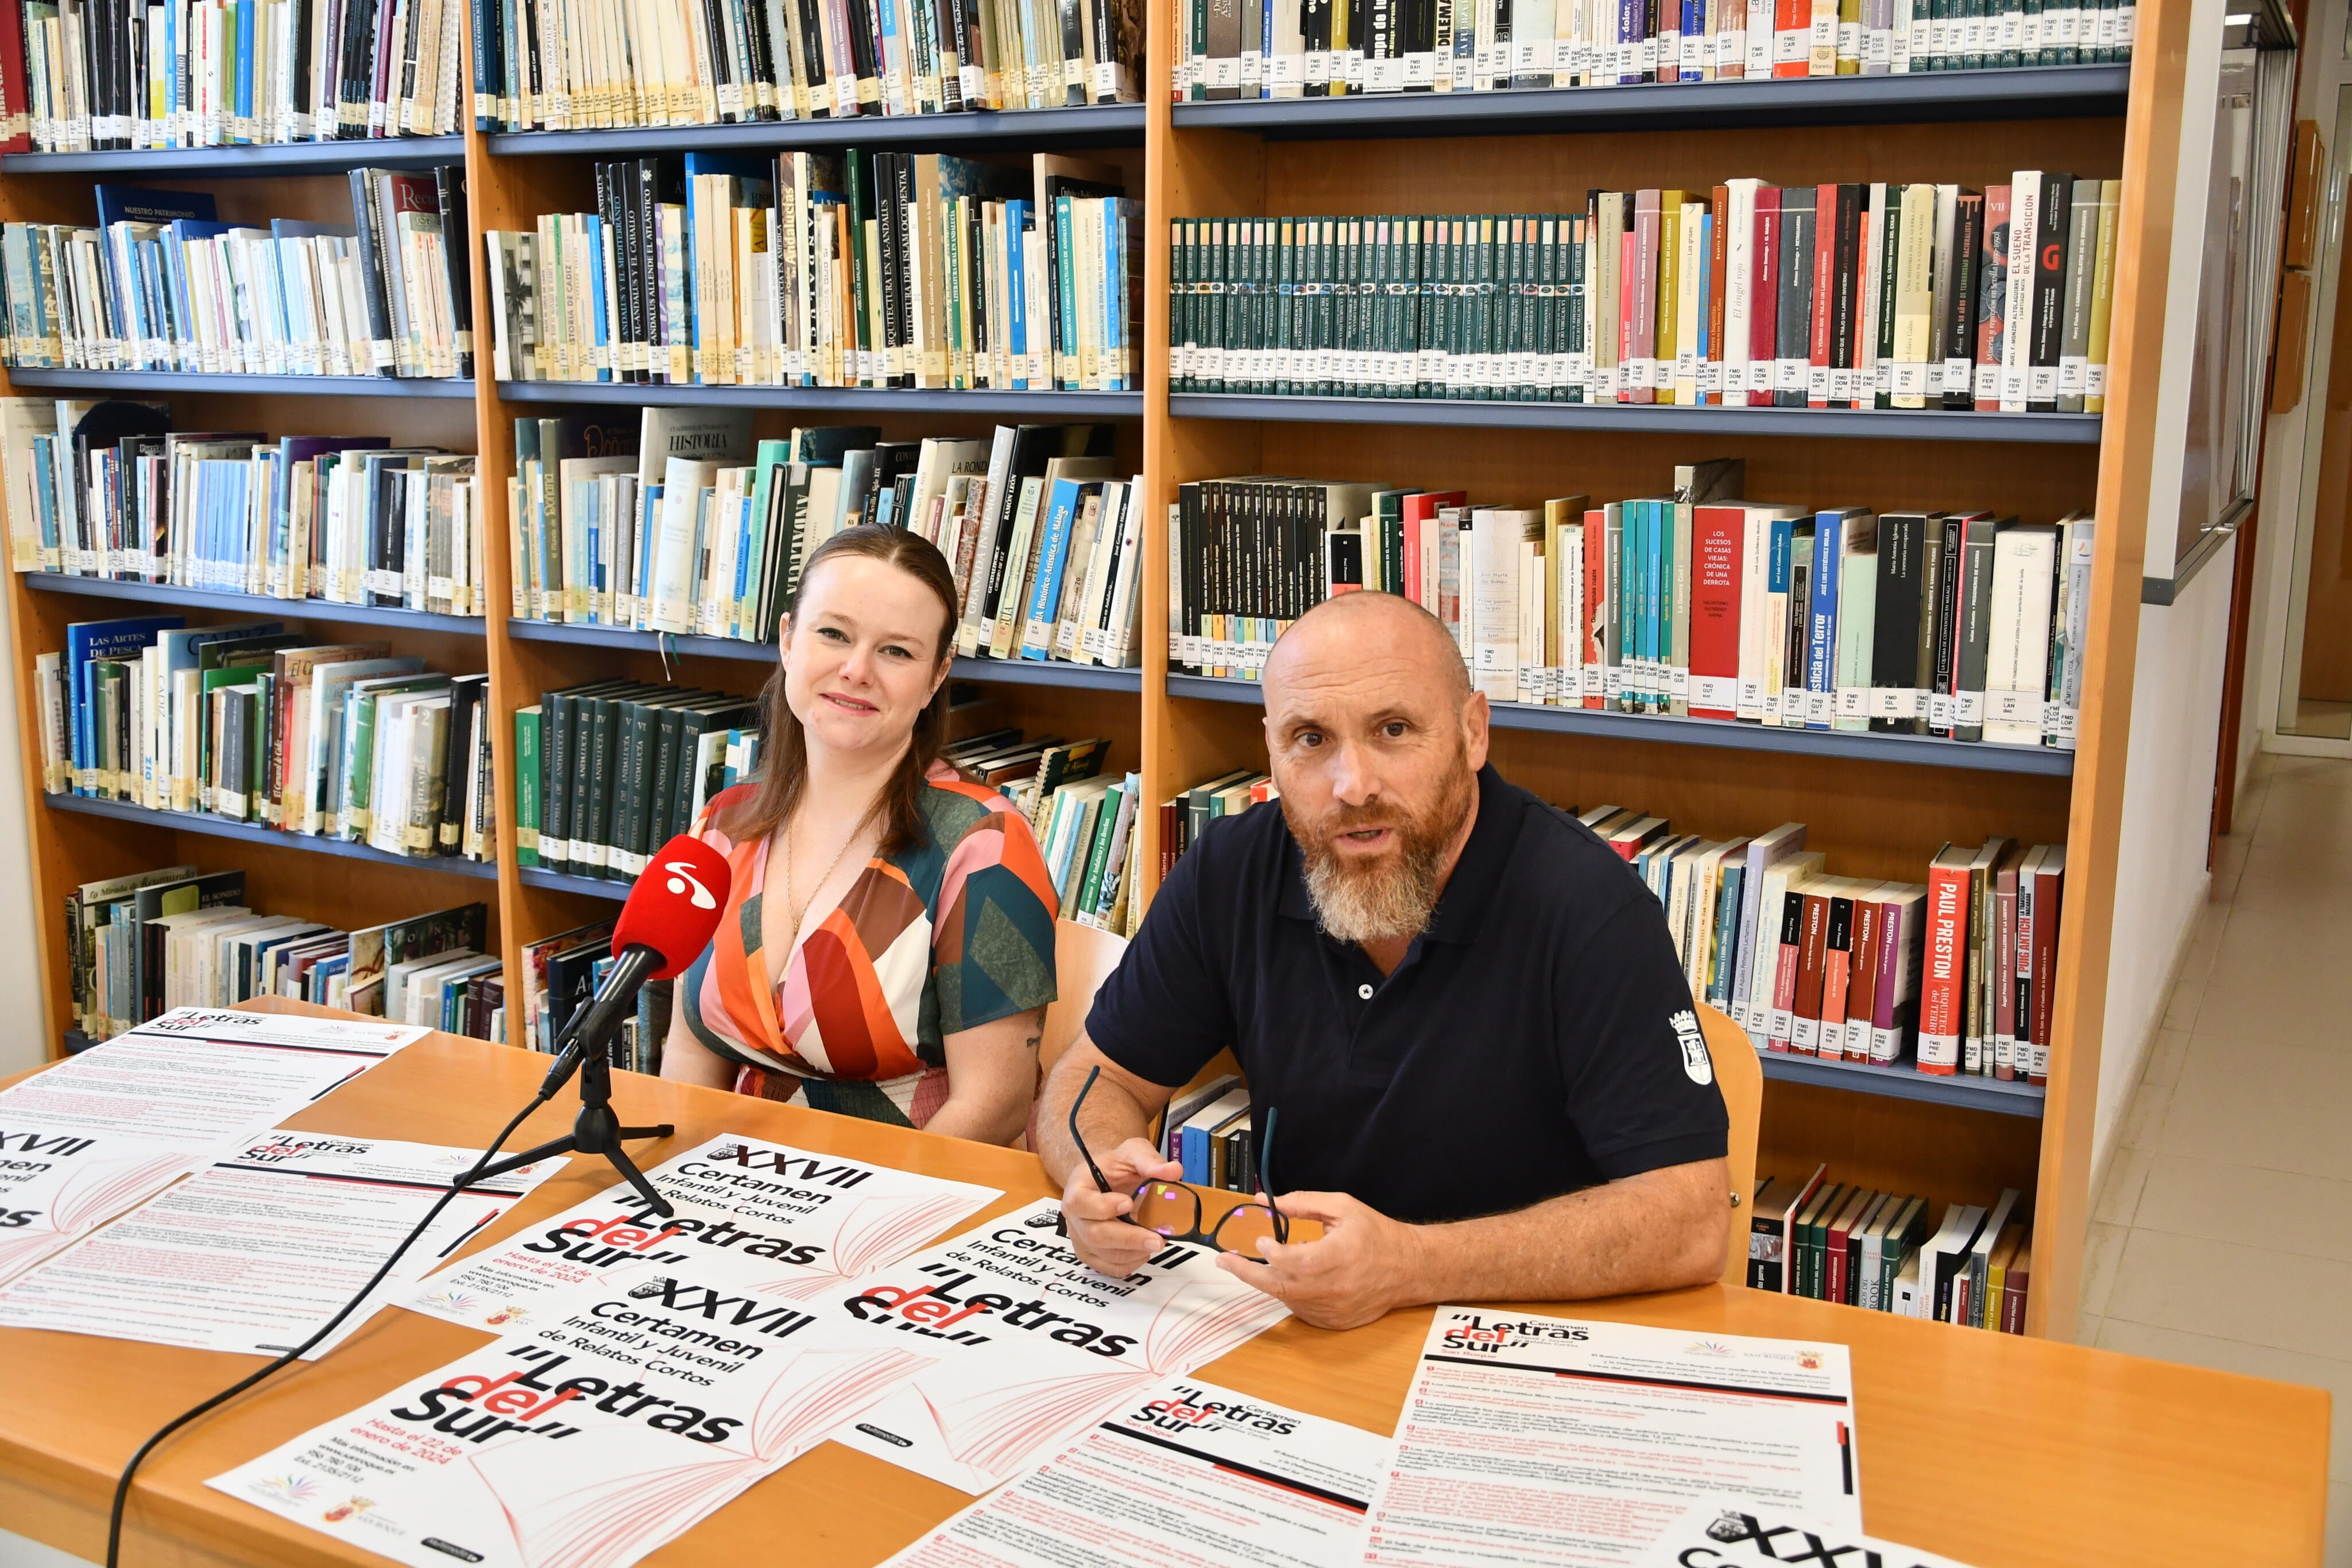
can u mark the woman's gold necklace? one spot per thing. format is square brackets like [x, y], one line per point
[800, 913]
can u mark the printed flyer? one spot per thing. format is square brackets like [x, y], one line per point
[90, 1136]
[620, 1422]
[1537, 1439]
[256, 1250]
[1030, 1344]
[752, 1213]
[1732, 1532]
[1188, 1473]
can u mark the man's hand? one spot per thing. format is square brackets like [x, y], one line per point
[1365, 1263]
[1098, 1232]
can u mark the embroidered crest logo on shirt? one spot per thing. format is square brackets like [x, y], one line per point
[1696, 1060]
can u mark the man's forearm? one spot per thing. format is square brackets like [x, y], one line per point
[1660, 1230]
[1111, 1116]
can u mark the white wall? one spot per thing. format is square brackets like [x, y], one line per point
[26, 1042]
[2161, 879]
[2160, 876]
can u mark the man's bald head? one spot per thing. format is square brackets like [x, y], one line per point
[1373, 634]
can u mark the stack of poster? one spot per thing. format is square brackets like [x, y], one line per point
[96, 1133]
[1612, 1430]
[1185, 1471]
[1028, 1344]
[258, 1249]
[748, 1212]
[621, 1421]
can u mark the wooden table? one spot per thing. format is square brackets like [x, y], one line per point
[1996, 1451]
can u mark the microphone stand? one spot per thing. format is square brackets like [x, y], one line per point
[596, 1130]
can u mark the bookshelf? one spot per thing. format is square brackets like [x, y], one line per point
[1879, 804]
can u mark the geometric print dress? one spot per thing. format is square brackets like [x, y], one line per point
[941, 936]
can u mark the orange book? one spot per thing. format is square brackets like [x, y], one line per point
[1943, 979]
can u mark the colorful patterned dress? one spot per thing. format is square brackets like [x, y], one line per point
[937, 938]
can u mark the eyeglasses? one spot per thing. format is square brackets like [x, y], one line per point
[1173, 1210]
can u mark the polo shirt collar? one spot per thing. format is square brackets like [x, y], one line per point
[1469, 892]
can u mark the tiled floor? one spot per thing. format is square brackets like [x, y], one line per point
[2235, 1161]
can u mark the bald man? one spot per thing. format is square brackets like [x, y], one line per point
[1464, 1006]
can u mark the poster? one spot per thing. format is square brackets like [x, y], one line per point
[1187, 1475]
[619, 1422]
[88, 1138]
[1030, 1345]
[1733, 1532]
[254, 1251]
[749, 1211]
[1552, 1440]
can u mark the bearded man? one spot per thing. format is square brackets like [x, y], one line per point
[1460, 1001]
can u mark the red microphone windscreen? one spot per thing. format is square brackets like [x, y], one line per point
[675, 904]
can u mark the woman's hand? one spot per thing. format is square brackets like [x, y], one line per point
[992, 1079]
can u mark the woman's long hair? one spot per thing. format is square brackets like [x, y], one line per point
[784, 774]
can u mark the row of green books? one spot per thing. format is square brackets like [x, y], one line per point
[607, 772]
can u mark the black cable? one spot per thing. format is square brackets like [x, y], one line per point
[122, 1486]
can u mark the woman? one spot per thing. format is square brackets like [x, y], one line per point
[888, 946]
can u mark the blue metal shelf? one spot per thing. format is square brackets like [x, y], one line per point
[222, 828]
[274, 160]
[253, 603]
[2005, 1099]
[839, 400]
[1924, 750]
[1010, 671]
[2047, 92]
[156, 381]
[1897, 424]
[1096, 125]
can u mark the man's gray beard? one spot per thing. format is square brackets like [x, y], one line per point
[1372, 902]
[1387, 900]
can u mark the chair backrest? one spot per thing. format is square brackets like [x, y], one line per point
[1083, 959]
[1740, 1076]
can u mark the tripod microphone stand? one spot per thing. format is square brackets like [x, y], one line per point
[596, 1130]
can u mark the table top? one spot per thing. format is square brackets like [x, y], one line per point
[2000, 1451]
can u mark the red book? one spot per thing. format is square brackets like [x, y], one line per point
[15, 105]
[1837, 974]
[2018, 1281]
[1792, 33]
[1719, 259]
[1420, 516]
[2049, 883]
[1825, 227]
[1991, 296]
[1943, 995]
[1812, 968]
[1836, 1283]
[1864, 989]
[1764, 309]
[1596, 603]
[2004, 976]
[1718, 534]
[1786, 963]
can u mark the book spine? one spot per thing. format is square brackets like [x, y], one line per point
[1943, 980]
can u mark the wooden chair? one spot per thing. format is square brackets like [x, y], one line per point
[1083, 959]
[1740, 1076]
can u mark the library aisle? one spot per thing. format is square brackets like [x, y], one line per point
[2222, 1233]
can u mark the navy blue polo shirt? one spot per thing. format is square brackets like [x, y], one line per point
[1539, 1038]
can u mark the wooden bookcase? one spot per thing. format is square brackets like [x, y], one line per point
[1879, 805]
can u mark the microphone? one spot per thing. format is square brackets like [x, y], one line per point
[668, 920]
